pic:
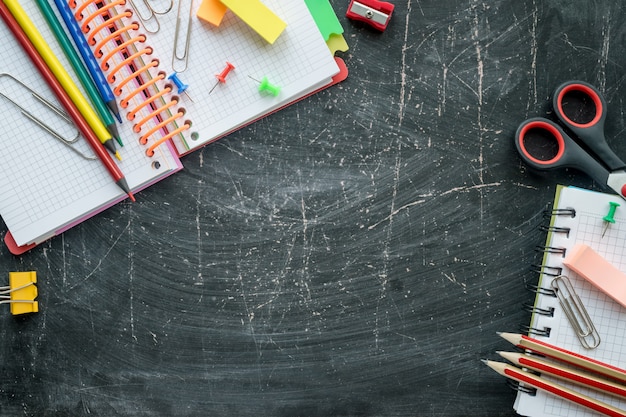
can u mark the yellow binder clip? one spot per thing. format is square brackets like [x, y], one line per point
[21, 293]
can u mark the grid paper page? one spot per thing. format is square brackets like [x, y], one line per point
[45, 186]
[607, 315]
[299, 61]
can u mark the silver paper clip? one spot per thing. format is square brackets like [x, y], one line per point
[151, 18]
[576, 312]
[179, 61]
[67, 142]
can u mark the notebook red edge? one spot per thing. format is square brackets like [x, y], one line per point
[17, 250]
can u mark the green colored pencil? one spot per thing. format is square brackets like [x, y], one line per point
[79, 68]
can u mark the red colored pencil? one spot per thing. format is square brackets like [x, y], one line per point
[65, 100]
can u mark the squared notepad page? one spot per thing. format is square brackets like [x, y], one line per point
[299, 62]
[45, 186]
[607, 315]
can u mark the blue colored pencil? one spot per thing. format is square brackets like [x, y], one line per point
[79, 68]
[90, 60]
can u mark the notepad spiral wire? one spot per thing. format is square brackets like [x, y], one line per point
[552, 271]
[131, 69]
[575, 217]
[560, 293]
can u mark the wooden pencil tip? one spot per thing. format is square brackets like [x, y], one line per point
[118, 156]
[510, 337]
[496, 366]
[132, 197]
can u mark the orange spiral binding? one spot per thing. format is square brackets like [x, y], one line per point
[148, 102]
[78, 13]
[143, 87]
[137, 127]
[144, 139]
[110, 23]
[102, 11]
[118, 89]
[125, 63]
[121, 47]
[181, 129]
[131, 70]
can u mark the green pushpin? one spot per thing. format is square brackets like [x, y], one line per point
[609, 217]
[265, 85]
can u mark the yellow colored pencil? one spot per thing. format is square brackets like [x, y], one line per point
[61, 75]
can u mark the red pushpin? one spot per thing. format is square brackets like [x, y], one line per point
[221, 77]
[373, 12]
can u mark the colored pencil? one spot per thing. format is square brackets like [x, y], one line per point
[52, 62]
[555, 389]
[564, 355]
[65, 100]
[577, 377]
[79, 68]
[90, 60]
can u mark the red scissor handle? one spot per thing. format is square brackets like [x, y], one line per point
[552, 131]
[588, 91]
[582, 109]
[535, 136]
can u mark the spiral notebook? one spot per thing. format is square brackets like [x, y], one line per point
[48, 186]
[577, 217]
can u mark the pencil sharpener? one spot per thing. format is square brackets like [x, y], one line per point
[373, 12]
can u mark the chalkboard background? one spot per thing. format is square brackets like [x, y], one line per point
[352, 255]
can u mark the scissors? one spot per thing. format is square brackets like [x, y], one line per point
[544, 145]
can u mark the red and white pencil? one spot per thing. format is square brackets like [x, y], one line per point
[552, 388]
[562, 372]
[576, 359]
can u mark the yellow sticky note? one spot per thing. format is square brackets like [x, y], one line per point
[258, 16]
[211, 11]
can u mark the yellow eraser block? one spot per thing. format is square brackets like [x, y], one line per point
[211, 11]
[258, 16]
[594, 268]
[22, 299]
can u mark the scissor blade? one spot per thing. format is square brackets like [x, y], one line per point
[617, 182]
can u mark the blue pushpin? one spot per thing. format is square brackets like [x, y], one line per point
[182, 87]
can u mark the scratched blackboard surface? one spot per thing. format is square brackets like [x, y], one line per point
[352, 255]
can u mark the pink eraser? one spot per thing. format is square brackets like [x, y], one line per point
[594, 268]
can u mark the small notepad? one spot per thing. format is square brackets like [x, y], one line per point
[580, 221]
